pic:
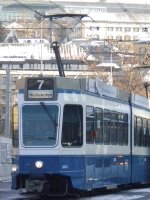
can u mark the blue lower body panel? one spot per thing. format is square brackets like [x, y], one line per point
[140, 169]
[103, 171]
[84, 172]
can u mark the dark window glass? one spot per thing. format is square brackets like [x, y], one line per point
[106, 133]
[121, 133]
[138, 133]
[113, 128]
[114, 115]
[39, 125]
[113, 133]
[99, 125]
[145, 133]
[126, 129]
[89, 124]
[135, 131]
[122, 129]
[72, 129]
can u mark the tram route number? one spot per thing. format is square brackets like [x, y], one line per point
[39, 88]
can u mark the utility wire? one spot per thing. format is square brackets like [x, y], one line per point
[26, 6]
[40, 16]
[131, 15]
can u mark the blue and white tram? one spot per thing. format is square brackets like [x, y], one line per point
[79, 135]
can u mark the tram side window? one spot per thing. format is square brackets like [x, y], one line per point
[113, 128]
[135, 131]
[126, 128]
[89, 124]
[138, 139]
[72, 128]
[145, 133]
[122, 129]
[99, 125]
[106, 133]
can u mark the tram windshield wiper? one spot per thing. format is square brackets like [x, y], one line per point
[49, 114]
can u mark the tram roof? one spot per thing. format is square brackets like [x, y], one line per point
[93, 86]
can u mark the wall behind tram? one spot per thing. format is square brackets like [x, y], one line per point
[5, 158]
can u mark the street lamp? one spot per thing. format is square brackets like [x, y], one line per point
[146, 85]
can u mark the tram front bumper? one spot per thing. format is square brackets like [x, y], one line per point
[45, 184]
[34, 185]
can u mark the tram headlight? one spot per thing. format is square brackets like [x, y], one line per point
[39, 164]
[14, 167]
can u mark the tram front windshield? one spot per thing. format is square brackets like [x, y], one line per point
[39, 125]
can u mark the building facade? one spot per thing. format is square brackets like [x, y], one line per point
[107, 19]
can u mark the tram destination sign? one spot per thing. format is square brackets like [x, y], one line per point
[40, 88]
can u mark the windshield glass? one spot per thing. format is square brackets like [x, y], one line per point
[38, 128]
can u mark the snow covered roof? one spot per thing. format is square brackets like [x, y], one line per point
[14, 25]
[116, 17]
[24, 51]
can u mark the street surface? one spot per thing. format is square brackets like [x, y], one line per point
[133, 194]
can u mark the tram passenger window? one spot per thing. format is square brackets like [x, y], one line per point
[139, 135]
[106, 133]
[99, 125]
[135, 131]
[122, 129]
[113, 128]
[121, 133]
[72, 128]
[89, 124]
[145, 133]
[126, 128]
[139, 130]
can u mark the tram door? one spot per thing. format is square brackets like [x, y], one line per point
[89, 162]
[94, 130]
[90, 166]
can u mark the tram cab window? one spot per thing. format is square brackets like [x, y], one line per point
[39, 125]
[89, 124]
[72, 127]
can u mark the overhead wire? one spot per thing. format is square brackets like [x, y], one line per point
[130, 14]
[40, 16]
[56, 5]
